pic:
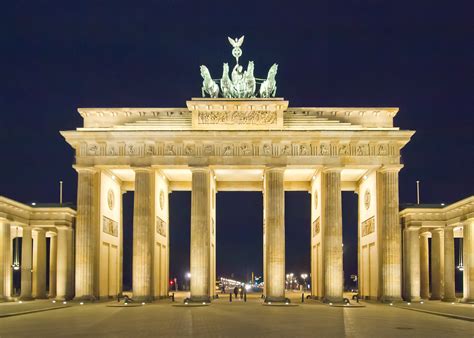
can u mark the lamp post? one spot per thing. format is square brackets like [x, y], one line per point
[304, 276]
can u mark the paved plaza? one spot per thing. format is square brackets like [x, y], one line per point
[236, 319]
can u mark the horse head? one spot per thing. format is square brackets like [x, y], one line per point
[273, 70]
[205, 72]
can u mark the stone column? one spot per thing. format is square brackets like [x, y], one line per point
[331, 222]
[424, 267]
[5, 261]
[62, 264]
[26, 266]
[200, 235]
[39, 264]
[437, 264]
[70, 263]
[412, 266]
[53, 249]
[389, 233]
[468, 260]
[449, 265]
[143, 234]
[274, 199]
[87, 235]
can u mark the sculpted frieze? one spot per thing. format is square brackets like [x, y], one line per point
[237, 117]
[266, 148]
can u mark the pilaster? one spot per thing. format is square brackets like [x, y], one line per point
[412, 266]
[53, 254]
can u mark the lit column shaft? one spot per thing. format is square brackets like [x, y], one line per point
[468, 261]
[449, 263]
[39, 264]
[200, 235]
[389, 233]
[53, 249]
[5, 261]
[412, 267]
[87, 232]
[424, 267]
[331, 217]
[143, 235]
[26, 264]
[274, 199]
[437, 264]
[62, 272]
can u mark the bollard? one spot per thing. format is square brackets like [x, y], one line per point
[230, 297]
[302, 297]
[245, 297]
[172, 297]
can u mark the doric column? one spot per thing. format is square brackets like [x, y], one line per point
[200, 234]
[26, 264]
[63, 265]
[449, 263]
[53, 249]
[5, 261]
[143, 235]
[274, 199]
[412, 266]
[39, 263]
[87, 232]
[389, 233]
[468, 261]
[331, 221]
[437, 264]
[424, 266]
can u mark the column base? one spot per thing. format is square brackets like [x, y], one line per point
[435, 298]
[81, 298]
[413, 299]
[451, 299]
[467, 300]
[26, 298]
[270, 299]
[387, 299]
[198, 299]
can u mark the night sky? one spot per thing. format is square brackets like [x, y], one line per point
[60, 55]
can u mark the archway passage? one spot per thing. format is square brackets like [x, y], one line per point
[239, 231]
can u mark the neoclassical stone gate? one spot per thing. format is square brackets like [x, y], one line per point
[236, 144]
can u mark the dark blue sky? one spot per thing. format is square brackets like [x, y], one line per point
[60, 55]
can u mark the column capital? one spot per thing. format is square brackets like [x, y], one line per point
[440, 230]
[195, 169]
[327, 169]
[274, 168]
[80, 169]
[143, 169]
[413, 228]
[424, 233]
[390, 168]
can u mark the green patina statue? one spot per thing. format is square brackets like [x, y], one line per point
[241, 83]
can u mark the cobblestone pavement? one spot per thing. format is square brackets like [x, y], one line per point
[236, 319]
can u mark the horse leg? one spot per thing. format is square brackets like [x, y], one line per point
[274, 91]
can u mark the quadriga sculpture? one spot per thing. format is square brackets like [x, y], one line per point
[208, 85]
[268, 87]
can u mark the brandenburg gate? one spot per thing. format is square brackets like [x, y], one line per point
[245, 139]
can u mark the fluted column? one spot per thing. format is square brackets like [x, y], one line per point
[412, 267]
[53, 249]
[5, 261]
[468, 261]
[437, 264]
[274, 199]
[200, 235]
[63, 264]
[449, 265]
[39, 263]
[424, 267]
[87, 235]
[143, 234]
[26, 264]
[331, 221]
[389, 233]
